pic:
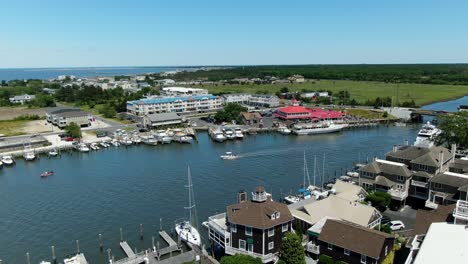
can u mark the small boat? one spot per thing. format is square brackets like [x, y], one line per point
[218, 136]
[29, 155]
[229, 134]
[126, 142]
[136, 140]
[115, 143]
[82, 147]
[284, 130]
[228, 156]
[47, 174]
[238, 133]
[75, 259]
[104, 144]
[352, 174]
[290, 199]
[163, 137]
[7, 160]
[94, 146]
[53, 153]
[185, 139]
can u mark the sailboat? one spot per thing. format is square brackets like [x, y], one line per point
[185, 229]
[306, 191]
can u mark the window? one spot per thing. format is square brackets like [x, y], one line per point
[271, 232]
[401, 178]
[363, 259]
[248, 231]
[330, 246]
[400, 186]
[273, 216]
[271, 245]
[346, 251]
[437, 186]
[277, 215]
[233, 228]
[284, 228]
[250, 247]
[241, 244]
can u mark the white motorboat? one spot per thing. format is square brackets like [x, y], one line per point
[115, 143]
[7, 160]
[284, 130]
[185, 229]
[94, 146]
[126, 141]
[238, 133]
[218, 136]
[76, 259]
[353, 174]
[228, 156]
[29, 154]
[53, 153]
[427, 135]
[163, 137]
[185, 139]
[229, 134]
[317, 128]
[136, 140]
[104, 144]
[82, 147]
[290, 199]
[181, 137]
[149, 140]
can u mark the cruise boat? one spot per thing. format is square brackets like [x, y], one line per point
[7, 160]
[185, 229]
[229, 156]
[218, 136]
[28, 154]
[427, 135]
[229, 134]
[238, 133]
[284, 130]
[317, 128]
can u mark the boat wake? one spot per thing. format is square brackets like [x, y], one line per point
[267, 152]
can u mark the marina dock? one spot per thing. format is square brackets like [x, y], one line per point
[126, 248]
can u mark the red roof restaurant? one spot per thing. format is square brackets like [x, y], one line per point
[296, 111]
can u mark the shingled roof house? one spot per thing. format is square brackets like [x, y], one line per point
[254, 228]
[350, 243]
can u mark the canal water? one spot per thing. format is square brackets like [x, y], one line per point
[100, 192]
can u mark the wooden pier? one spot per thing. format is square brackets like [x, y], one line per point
[126, 248]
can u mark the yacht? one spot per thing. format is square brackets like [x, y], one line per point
[163, 137]
[82, 147]
[149, 140]
[427, 135]
[7, 160]
[229, 134]
[284, 130]
[185, 229]
[104, 144]
[229, 156]
[94, 146]
[181, 137]
[53, 153]
[238, 133]
[218, 136]
[317, 128]
[28, 154]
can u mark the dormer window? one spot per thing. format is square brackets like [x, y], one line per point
[273, 216]
[277, 215]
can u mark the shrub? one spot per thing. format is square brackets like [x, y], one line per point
[324, 259]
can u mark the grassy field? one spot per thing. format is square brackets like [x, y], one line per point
[12, 128]
[370, 114]
[422, 94]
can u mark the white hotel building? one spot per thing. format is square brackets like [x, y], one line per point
[175, 104]
[179, 91]
[264, 100]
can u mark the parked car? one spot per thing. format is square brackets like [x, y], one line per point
[385, 220]
[69, 139]
[396, 225]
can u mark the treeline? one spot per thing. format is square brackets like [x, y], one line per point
[403, 73]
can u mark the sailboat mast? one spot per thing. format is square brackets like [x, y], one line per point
[315, 168]
[303, 186]
[323, 170]
[189, 194]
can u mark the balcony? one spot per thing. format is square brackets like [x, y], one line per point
[419, 183]
[398, 194]
[312, 248]
[265, 258]
[461, 210]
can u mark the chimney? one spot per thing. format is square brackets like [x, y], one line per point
[241, 196]
[454, 151]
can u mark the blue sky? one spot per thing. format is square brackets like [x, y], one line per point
[50, 33]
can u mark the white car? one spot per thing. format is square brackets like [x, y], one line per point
[396, 225]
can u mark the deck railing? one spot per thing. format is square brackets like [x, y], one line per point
[461, 210]
[312, 248]
[419, 183]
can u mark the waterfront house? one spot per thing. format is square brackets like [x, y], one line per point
[446, 188]
[459, 166]
[351, 243]
[177, 104]
[264, 100]
[153, 121]
[254, 227]
[386, 176]
[21, 99]
[310, 211]
[251, 118]
[443, 243]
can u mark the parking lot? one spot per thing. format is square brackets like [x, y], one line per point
[406, 214]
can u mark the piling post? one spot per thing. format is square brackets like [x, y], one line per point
[141, 231]
[100, 243]
[0, 261]
[160, 224]
[121, 235]
[152, 242]
[158, 250]
[54, 258]
[77, 246]
[109, 255]
[28, 260]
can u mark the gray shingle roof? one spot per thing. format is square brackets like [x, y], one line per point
[384, 167]
[420, 155]
[450, 179]
[163, 117]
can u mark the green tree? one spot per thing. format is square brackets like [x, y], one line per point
[230, 112]
[454, 129]
[107, 111]
[73, 130]
[240, 259]
[380, 200]
[284, 90]
[292, 251]
[383, 228]
[324, 259]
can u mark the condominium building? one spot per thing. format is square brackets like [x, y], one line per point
[264, 100]
[182, 91]
[177, 104]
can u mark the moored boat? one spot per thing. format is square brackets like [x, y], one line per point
[218, 136]
[229, 134]
[53, 153]
[238, 133]
[7, 160]
[427, 135]
[284, 130]
[29, 155]
[317, 128]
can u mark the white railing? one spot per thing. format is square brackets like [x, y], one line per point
[419, 183]
[461, 210]
[431, 204]
[397, 193]
[265, 258]
[312, 248]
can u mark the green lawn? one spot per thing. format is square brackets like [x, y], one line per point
[12, 127]
[370, 114]
[422, 94]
